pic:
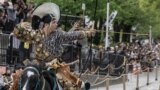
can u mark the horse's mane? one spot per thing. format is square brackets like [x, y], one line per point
[38, 67]
[50, 76]
[34, 81]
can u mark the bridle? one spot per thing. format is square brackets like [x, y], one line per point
[33, 68]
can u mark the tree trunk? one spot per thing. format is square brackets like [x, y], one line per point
[126, 31]
[116, 29]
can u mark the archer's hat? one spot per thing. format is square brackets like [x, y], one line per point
[47, 8]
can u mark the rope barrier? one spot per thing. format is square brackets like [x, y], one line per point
[91, 73]
[95, 83]
[85, 72]
[98, 68]
[95, 70]
[133, 33]
[99, 82]
[146, 34]
[110, 77]
[114, 68]
[104, 68]
[117, 77]
[107, 74]
[120, 66]
[106, 79]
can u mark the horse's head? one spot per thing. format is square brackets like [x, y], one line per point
[30, 79]
[34, 78]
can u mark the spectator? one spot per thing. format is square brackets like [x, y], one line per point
[10, 19]
[2, 18]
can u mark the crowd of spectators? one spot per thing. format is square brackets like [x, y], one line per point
[12, 13]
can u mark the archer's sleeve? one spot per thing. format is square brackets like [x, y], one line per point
[72, 35]
[25, 34]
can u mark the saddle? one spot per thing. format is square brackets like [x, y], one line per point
[66, 78]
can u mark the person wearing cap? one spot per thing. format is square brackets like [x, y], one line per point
[48, 41]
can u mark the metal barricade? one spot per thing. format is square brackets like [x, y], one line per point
[9, 47]
[4, 44]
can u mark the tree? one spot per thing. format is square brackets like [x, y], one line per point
[151, 9]
[140, 13]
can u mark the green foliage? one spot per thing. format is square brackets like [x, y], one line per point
[141, 13]
[151, 10]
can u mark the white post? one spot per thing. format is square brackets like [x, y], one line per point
[124, 82]
[83, 8]
[107, 84]
[132, 30]
[148, 69]
[107, 18]
[150, 36]
[137, 84]
[156, 70]
[131, 37]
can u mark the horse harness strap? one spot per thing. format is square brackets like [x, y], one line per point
[33, 69]
[51, 78]
[44, 82]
